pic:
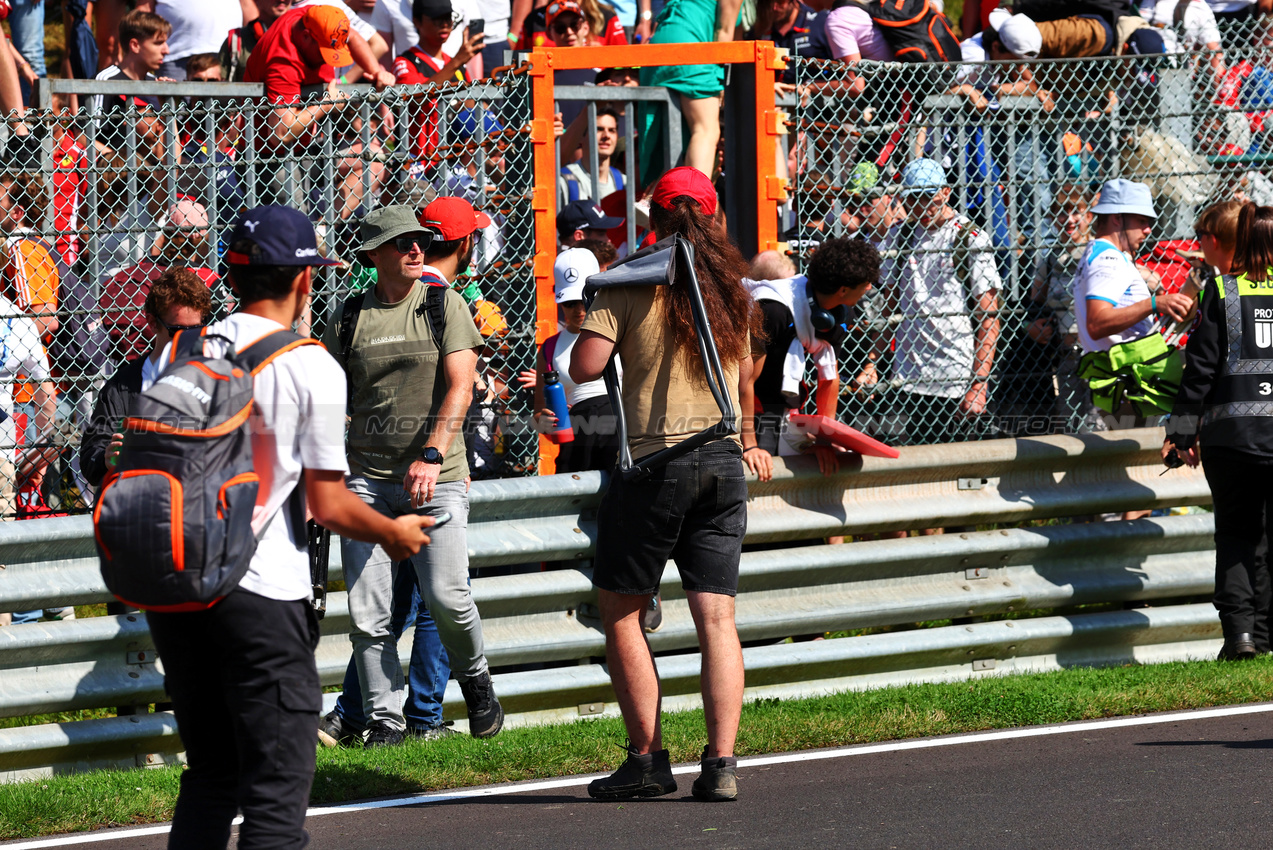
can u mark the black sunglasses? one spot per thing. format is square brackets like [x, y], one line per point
[172, 329]
[404, 244]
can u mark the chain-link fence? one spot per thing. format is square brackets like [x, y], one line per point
[96, 205]
[1024, 148]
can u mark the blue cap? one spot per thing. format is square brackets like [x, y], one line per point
[281, 236]
[923, 176]
[465, 122]
[1124, 196]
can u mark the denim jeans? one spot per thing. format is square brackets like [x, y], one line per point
[429, 670]
[26, 21]
[442, 570]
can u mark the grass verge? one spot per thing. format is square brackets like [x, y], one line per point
[113, 798]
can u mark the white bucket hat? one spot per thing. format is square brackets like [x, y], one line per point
[1125, 196]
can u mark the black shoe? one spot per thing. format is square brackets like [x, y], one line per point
[486, 715]
[1240, 647]
[335, 731]
[431, 733]
[640, 775]
[718, 783]
[381, 734]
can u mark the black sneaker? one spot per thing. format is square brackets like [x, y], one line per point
[381, 734]
[431, 733]
[335, 731]
[486, 715]
[640, 775]
[718, 783]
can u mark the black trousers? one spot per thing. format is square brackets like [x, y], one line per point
[1242, 492]
[245, 690]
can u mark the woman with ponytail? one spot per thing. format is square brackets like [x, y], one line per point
[694, 509]
[1223, 416]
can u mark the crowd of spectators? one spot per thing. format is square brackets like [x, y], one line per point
[986, 295]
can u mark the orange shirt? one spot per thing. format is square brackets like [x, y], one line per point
[29, 278]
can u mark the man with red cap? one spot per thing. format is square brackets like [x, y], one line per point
[409, 347]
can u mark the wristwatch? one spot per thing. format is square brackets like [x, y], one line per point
[647, 15]
[431, 455]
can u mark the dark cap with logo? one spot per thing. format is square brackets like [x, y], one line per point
[279, 236]
[584, 215]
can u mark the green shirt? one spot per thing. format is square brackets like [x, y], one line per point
[397, 382]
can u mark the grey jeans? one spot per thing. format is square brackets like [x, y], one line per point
[443, 571]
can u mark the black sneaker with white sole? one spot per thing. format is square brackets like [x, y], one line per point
[486, 715]
[640, 775]
[431, 733]
[718, 782]
[381, 734]
[335, 731]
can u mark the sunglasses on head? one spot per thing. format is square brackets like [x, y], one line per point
[405, 244]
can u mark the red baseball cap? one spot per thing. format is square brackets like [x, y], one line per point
[689, 182]
[452, 218]
[561, 7]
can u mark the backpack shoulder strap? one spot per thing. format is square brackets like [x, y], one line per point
[263, 351]
[434, 308]
[1178, 15]
[550, 348]
[349, 314]
[183, 345]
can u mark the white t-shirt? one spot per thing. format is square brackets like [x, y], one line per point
[1107, 274]
[1229, 5]
[21, 353]
[298, 422]
[983, 77]
[394, 17]
[1198, 30]
[575, 393]
[936, 340]
[198, 26]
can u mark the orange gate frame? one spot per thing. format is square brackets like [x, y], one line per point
[755, 63]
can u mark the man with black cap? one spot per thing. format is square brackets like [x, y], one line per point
[580, 220]
[410, 339]
[241, 675]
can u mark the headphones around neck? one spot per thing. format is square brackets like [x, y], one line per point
[831, 325]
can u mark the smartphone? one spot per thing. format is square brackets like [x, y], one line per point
[439, 520]
[477, 26]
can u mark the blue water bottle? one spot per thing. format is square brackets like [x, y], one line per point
[555, 396]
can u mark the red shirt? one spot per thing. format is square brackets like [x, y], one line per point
[415, 67]
[613, 34]
[277, 62]
[68, 183]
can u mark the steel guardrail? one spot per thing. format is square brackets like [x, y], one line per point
[548, 618]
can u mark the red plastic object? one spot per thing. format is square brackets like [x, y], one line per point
[841, 435]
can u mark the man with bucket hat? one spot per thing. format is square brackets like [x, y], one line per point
[1119, 317]
[407, 340]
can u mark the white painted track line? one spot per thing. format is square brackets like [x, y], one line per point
[754, 761]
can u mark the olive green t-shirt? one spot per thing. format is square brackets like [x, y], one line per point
[664, 402]
[397, 382]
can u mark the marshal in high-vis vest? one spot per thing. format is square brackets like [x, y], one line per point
[1223, 417]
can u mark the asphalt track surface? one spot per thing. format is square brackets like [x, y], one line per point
[1182, 780]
